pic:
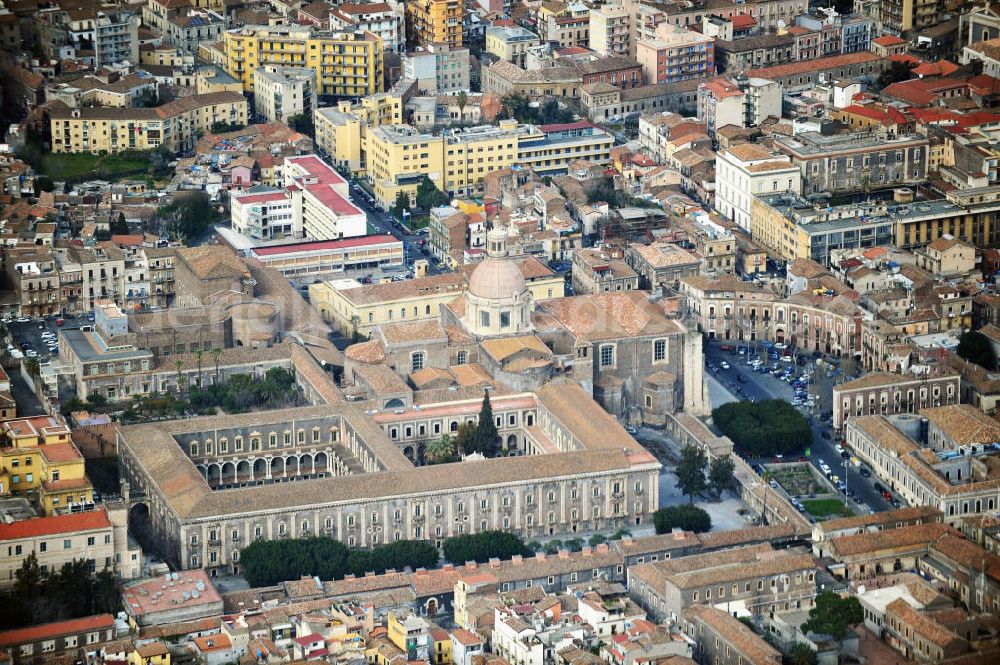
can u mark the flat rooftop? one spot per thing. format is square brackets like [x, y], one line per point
[89, 346]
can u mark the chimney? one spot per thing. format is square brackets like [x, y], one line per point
[517, 559]
[602, 548]
[586, 550]
[540, 556]
[563, 554]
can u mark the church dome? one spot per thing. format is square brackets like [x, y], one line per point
[497, 279]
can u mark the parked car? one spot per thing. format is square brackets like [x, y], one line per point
[887, 495]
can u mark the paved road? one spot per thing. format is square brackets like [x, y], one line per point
[764, 386]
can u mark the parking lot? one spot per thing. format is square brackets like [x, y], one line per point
[38, 336]
[759, 385]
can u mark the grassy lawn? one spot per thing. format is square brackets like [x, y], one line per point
[820, 508]
[82, 165]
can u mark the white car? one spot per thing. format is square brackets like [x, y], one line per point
[724, 365]
[24, 319]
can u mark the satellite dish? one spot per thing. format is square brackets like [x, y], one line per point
[781, 24]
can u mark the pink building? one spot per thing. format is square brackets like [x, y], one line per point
[675, 55]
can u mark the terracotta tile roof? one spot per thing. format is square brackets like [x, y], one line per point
[817, 65]
[401, 333]
[921, 624]
[502, 348]
[212, 261]
[881, 430]
[885, 518]
[735, 634]
[963, 423]
[366, 352]
[58, 524]
[411, 288]
[10, 638]
[613, 315]
[918, 537]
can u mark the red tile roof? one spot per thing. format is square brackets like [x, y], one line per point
[11, 638]
[939, 68]
[817, 65]
[58, 524]
[888, 40]
[743, 21]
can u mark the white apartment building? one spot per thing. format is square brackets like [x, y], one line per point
[378, 18]
[746, 170]
[314, 204]
[262, 215]
[98, 537]
[283, 92]
[609, 30]
[438, 68]
[116, 38]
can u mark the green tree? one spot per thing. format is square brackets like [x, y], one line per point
[463, 438]
[462, 101]
[120, 226]
[597, 539]
[763, 428]
[44, 184]
[975, 347]
[355, 324]
[440, 450]
[216, 356]
[199, 356]
[303, 123]
[800, 654]
[720, 475]
[222, 127]
[897, 71]
[690, 471]
[689, 518]
[429, 196]
[481, 547]
[402, 204]
[832, 615]
[486, 439]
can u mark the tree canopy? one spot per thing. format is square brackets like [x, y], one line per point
[40, 596]
[268, 562]
[690, 471]
[689, 518]
[763, 428]
[481, 547]
[429, 196]
[485, 439]
[720, 475]
[831, 615]
[517, 106]
[976, 347]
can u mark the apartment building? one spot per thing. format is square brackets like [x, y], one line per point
[610, 27]
[187, 30]
[570, 27]
[676, 55]
[98, 536]
[34, 278]
[888, 394]
[725, 640]
[398, 156]
[37, 457]
[959, 485]
[743, 103]
[61, 638]
[510, 43]
[176, 124]
[378, 18]
[754, 579]
[347, 64]
[602, 270]
[747, 170]
[116, 37]
[435, 22]
[438, 68]
[856, 160]
[283, 92]
[901, 16]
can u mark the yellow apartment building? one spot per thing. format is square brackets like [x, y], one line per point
[396, 159]
[176, 125]
[435, 21]
[340, 130]
[347, 64]
[37, 456]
